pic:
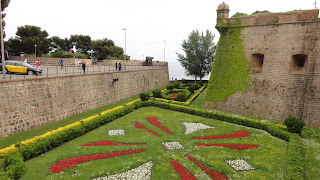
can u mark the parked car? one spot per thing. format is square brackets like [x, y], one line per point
[20, 68]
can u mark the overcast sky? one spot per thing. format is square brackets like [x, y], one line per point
[148, 22]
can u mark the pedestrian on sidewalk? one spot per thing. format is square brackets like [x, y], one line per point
[84, 67]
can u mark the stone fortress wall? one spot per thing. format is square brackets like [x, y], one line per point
[283, 52]
[26, 104]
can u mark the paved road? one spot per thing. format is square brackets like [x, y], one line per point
[52, 71]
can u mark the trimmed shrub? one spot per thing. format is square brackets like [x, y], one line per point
[169, 87]
[182, 97]
[200, 83]
[191, 89]
[196, 86]
[144, 96]
[176, 85]
[157, 93]
[295, 125]
[15, 166]
[184, 81]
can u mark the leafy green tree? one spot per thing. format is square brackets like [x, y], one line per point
[106, 48]
[199, 54]
[83, 42]
[4, 5]
[26, 38]
[58, 43]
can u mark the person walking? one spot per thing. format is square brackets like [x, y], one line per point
[25, 61]
[38, 64]
[116, 66]
[84, 67]
[79, 63]
[119, 66]
[61, 63]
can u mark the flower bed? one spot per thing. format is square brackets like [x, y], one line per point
[72, 162]
[232, 146]
[213, 174]
[194, 127]
[116, 132]
[183, 172]
[110, 143]
[234, 135]
[139, 126]
[142, 172]
[240, 165]
[154, 121]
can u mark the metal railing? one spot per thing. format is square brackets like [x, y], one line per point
[54, 71]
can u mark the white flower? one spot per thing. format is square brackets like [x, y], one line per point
[194, 127]
[172, 145]
[240, 165]
[142, 172]
[115, 132]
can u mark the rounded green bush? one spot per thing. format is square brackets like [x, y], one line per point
[144, 96]
[294, 125]
[176, 85]
[157, 93]
[182, 97]
[169, 87]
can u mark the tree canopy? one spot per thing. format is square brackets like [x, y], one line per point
[199, 51]
[106, 47]
[27, 37]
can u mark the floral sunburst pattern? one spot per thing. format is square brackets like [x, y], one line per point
[201, 161]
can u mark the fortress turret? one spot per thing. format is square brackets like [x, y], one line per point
[222, 13]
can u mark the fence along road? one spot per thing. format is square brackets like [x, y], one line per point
[54, 71]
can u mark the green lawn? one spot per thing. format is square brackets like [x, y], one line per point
[268, 159]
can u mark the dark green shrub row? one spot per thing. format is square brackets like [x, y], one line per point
[157, 93]
[295, 165]
[14, 166]
[45, 145]
[144, 96]
[169, 87]
[182, 97]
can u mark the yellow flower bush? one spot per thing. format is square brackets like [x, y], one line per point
[130, 103]
[27, 142]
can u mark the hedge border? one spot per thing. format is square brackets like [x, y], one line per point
[294, 170]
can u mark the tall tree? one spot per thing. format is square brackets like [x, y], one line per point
[26, 38]
[199, 54]
[58, 43]
[106, 47]
[83, 42]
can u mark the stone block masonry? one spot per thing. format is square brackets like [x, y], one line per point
[26, 104]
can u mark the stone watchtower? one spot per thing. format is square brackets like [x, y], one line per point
[222, 13]
[267, 66]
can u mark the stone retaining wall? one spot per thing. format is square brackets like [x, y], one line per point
[26, 104]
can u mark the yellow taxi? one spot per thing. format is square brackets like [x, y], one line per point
[20, 67]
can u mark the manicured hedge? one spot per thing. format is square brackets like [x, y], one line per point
[14, 165]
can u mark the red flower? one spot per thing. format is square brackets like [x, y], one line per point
[139, 126]
[154, 121]
[173, 95]
[234, 135]
[233, 146]
[213, 174]
[109, 143]
[183, 172]
[72, 162]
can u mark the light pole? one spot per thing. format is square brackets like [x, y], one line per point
[164, 51]
[2, 45]
[125, 42]
[35, 50]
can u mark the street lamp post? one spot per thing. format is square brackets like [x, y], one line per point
[125, 42]
[164, 51]
[2, 45]
[35, 50]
